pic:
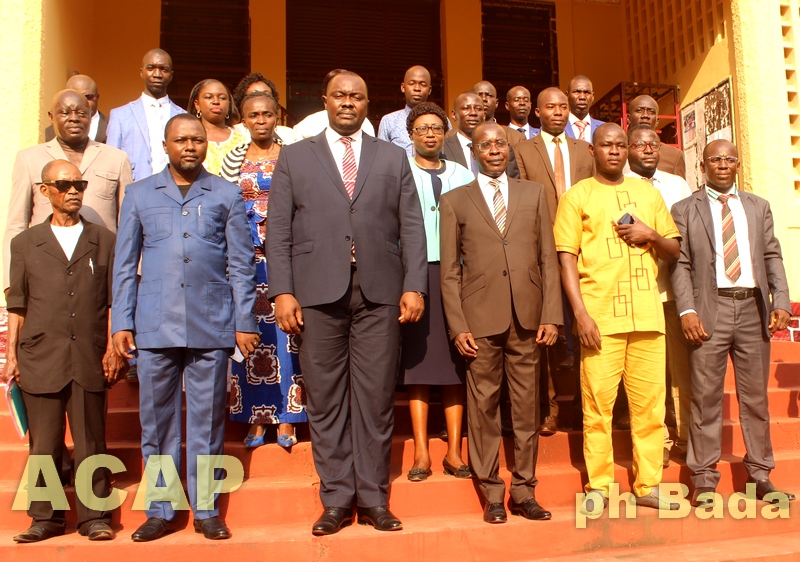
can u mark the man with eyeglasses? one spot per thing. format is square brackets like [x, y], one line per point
[732, 295]
[58, 346]
[107, 169]
[610, 231]
[86, 86]
[580, 94]
[518, 104]
[502, 300]
[643, 157]
[416, 88]
[643, 110]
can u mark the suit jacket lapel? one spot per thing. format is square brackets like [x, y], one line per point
[750, 213]
[48, 242]
[539, 144]
[704, 209]
[54, 150]
[475, 193]
[514, 195]
[92, 151]
[86, 243]
[102, 126]
[137, 107]
[319, 146]
[369, 147]
[454, 148]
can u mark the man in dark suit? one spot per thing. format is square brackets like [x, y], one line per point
[518, 104]
[99, 123]
[468, 113]
[729, 267]
[501, 295]
[187, 230]
[580, 94]
[488, 94]
[543, 160]
[58, 346]
[643, 110]
[347, 263]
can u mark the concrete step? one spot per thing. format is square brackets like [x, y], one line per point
[781, 375]
[426, 537]
[783, 403]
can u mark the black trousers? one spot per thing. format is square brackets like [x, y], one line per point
[349, 354]
[86, 416]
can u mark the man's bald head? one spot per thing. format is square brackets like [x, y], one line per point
[468, 112]
[643, 110]
[160, 53]
[550, 93]
[490, 149]
[416, 86]
[720, 165]
[552, 110]
[55, 169]
[86, 86]
[720, 145]
[68, 96]
[156, 72]
[487, 93]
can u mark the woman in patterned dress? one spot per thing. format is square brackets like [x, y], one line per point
[268, 388]
[210, 100]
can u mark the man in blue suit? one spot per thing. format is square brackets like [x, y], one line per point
[193, 304]
[580, 95]
[138, 127]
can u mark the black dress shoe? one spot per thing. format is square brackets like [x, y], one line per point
[379, 517]
[213, 528]
[152, 529]
[36, 533]
[707, 500]
[764, 487]
[331, 520]
[530, 509]
[100, 531]
[495, 513]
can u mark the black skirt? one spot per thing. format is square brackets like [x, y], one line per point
[428, 356]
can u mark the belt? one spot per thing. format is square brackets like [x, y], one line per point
[737, 294]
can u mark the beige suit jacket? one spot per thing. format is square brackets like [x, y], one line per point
[672, 161]
[534, 165]
[107, 169]
[484, 273]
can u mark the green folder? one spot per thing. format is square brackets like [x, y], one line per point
[16, 407]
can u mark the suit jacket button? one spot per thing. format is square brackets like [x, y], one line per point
[352, 210]
[72, 337]
[72, 315]
[186, 260]
[183, 286]
[71, 294]
[69, 272]
[433, 207]
[505, 242]
[186, 235]
[184, 213]
[347, 238]
[504, 273]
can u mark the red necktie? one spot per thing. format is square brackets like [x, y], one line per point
[730, 250]
[582, 128]
[349, 170]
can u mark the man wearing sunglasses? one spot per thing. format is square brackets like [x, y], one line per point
[729, 266]
[58, 345]
[106, 169]
[86, 86]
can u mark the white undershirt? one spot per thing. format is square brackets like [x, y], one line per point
[156, 112]
[93, 126]
[68, 237]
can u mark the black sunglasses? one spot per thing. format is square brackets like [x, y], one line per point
[63, 185]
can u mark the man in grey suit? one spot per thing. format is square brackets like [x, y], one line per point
[345, 245]
[193, 304]
[468, 113]
[729, 266]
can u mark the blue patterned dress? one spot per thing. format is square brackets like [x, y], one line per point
[268, 387]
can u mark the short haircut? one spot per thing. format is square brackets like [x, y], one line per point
[464, 93]
[239, 92]
[233, 111]
[641, 127]
[180, 117]
[330, 76]
[426, 108]
[255, 95]
[47, 171]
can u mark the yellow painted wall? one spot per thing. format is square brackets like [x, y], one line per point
[268, 42]
[462, 57]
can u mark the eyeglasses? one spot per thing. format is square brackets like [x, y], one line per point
[422, 130]
[717, 160]
[64, 185]
[645, 110]
[486, 146]
[91, 97]
[639, 146]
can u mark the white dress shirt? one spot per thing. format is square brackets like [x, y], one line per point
[157, 113]
[315, 123]
[464, 141]
[673, 189]
[93, 125]
[337, 146]
[551, 150]
[587, 136]
[488, 191]
[527, 130]
[746, 278]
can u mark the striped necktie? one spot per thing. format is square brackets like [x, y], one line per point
[349, 170]
[498, 207]
[730, 250]
[582, 128]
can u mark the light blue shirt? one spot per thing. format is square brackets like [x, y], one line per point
[393, 129]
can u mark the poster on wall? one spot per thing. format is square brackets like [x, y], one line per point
[709, 117]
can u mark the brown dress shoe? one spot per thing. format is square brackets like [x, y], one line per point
[549, 426]
[36, 533]
[495, 513]
[100, 531]
[764, 487]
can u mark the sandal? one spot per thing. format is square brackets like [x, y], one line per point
[462, 471]
[419, 474]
